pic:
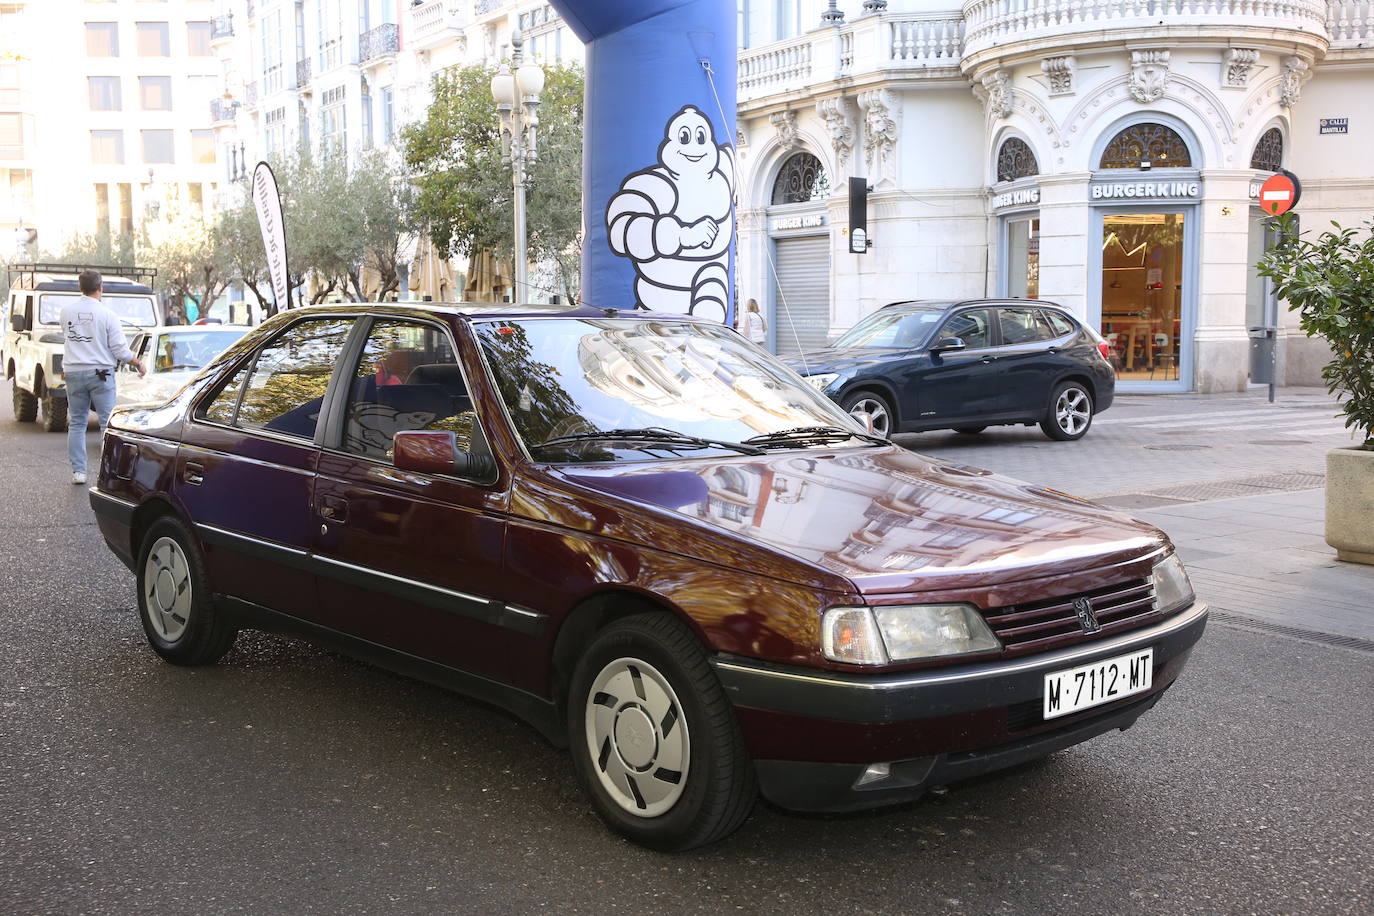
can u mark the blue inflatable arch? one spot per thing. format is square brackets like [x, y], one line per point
[658, 174]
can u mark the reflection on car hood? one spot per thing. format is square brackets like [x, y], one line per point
[886, 519]
[835, 359]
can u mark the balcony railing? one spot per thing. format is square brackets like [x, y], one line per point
[250, 93]
[303, 73]
[222, 27]
[436, 23]
[992, 23]
[222, 111]
[486, 6]
[775, 68]
[1350, 23]
[383, 41]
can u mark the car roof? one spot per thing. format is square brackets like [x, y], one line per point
[960, 303]
[484, 311]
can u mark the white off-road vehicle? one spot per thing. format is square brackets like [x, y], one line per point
[32, 345]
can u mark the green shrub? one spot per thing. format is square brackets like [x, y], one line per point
[1330, 282]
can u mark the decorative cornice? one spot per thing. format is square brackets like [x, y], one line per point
[1239, 62]
[785, 123]
[1295, 72]
[1060, 70]
[997, 94]
[882, 126]
[1149, 75]
[838, 114]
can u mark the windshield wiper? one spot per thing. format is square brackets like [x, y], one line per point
[654, 435]
[809, 435]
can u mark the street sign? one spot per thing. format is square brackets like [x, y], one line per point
[1280, 193]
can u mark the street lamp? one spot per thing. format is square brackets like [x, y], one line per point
[517, 102]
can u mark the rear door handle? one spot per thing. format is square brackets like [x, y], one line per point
[988, 359]
[333, 508]
[193, 473]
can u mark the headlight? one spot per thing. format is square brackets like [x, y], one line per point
[1172, 588]
[895, 634]
[822, 381]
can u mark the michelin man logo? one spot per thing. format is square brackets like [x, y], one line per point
[674, 220]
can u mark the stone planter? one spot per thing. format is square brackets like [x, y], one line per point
[1350, 504]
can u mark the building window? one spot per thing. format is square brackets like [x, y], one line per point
[153, 39]
[11, 136]
[203, 147]
[155, 93]
[388, 116]
[107, 147]
[157, 147]
[331, 34]
[333, 122]
[274, 133]
[1015, 160]
[801, 179]
[102, 39]
[126, 208]
[198, 39]
[195, 194]
[9, 83]
[1268, 151]
[1146, 146]
[104, 93]
[271, 53]
[367, 116]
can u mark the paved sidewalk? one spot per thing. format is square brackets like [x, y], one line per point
[1237, 483]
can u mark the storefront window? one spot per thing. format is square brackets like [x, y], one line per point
[1142, 293]
[1023, 258]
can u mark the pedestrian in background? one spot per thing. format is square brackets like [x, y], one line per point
[94, 346]
[752, 324]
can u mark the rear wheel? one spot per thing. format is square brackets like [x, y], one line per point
[25, 405]
[876, 406]
[654, 738]
[179, 618]
[54, 413]
[1070, 412]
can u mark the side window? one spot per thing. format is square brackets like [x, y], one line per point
[971, 327]
[1057, 321]
[1023, 326]
[285, 387]
[407, 378]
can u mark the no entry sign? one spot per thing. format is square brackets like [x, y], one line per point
[1280, 193]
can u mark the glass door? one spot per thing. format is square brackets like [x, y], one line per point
[1022, 247]
[1142, 293]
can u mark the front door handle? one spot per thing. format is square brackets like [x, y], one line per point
[193, 473]
[987, 359]
[333, 508]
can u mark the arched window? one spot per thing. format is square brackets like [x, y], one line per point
[801, 179]
[1268, 151]
[1148, 145]
[1015, 160]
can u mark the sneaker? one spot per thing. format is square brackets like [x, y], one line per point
[78, 477]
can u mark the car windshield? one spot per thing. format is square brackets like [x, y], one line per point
[134, 310]
[891, 328]
[191, 349]
[669, 386]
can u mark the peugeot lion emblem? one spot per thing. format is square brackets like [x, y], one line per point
[1086, 618]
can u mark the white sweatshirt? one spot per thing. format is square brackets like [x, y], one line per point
[94, 338]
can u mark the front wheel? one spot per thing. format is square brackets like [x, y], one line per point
[174, 603]
[25, 405]
[1070, 412]
[654, 738]
[876, 406]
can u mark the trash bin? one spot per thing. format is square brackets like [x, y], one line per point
[1262, 355]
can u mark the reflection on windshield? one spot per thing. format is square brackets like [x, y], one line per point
[191, 350]
[892, 329]
[133, 309]
[565, 376]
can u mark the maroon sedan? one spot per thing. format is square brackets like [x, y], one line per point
[651, 540]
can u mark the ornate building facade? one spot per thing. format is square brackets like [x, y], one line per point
[1105, 155]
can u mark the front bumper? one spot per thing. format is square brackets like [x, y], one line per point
[813, 733]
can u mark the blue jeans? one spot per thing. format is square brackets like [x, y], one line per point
[84, 391]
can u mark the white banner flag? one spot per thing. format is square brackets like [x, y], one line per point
[267, 201]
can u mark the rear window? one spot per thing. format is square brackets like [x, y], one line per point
[132, 311]
[1060, 324]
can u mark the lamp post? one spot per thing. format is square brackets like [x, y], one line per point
[517, 102]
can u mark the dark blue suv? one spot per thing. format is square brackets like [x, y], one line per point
[966, 366]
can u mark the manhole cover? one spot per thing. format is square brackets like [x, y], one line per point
[1280, 442]
[1180, 447]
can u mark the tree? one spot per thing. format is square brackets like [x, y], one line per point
[1330, 282]
[385, 201]
[239, 239]
[96, 248]
[465, 196]
[189, 263]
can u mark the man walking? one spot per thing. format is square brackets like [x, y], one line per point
[95, 347]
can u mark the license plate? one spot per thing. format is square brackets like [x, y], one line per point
[1101, 682]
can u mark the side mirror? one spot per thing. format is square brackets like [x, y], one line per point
[437, 452]
[948, 345]
[17, 323]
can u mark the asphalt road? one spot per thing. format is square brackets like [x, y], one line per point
[287, 779]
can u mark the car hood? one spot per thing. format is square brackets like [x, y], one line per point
[839, 359]
[888, 520]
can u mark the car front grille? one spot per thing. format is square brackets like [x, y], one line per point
[1035, 626]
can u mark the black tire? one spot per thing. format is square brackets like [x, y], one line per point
[874, 404]
[715, 788]
[969, 430]
[25, 405]
[189, 632]
[54, 413]
[1070, 412]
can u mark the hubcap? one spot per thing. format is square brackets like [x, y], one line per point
[167, 581]
[874, 408]
[637, 737]
[1072, 411]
